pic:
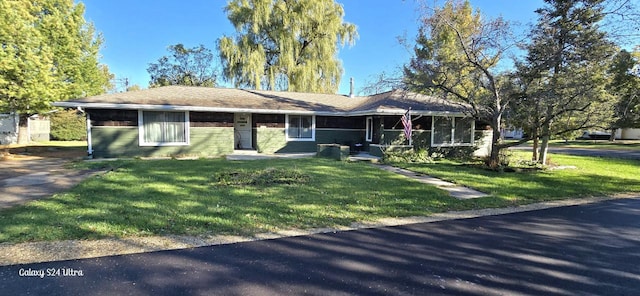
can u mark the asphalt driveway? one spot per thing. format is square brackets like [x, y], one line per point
[590, 249]
[22, 181]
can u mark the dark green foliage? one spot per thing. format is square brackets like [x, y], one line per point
[462, 153]
[184, 66]
[419, 156]
[68, 125]
[266, 177]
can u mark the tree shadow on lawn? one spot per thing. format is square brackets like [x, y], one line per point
[537, 186]
[557, 251]
[181, 197]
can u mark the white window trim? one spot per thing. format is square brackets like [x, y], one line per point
[368, 129]
[313, 130]
[453, 128]
[141, 141]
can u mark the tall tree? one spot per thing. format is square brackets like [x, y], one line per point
[566, 69]
[457, 55]
[625, 86]
[48, 52]
[285, 44]
[185, 66]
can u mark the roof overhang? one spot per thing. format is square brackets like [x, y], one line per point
[75, 104]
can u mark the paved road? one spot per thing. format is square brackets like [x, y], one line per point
[579, 250]
[597, 152]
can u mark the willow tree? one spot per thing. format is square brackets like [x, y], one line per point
[457, 55]
[285, 44]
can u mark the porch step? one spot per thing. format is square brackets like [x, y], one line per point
[362, 156]
[245, 152]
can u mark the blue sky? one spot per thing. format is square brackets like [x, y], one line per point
[138, 32]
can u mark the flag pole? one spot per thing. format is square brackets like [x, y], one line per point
[411, 127]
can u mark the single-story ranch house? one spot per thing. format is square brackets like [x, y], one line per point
[201, 121]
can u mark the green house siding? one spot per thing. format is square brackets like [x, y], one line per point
[123, 142]
[272, 140]
[269, 140]
[115, 141]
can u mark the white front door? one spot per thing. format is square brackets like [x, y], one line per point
[242, 128]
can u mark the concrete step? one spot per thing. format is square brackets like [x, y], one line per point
[245, 152]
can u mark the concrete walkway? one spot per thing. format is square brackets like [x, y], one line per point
[457, 191]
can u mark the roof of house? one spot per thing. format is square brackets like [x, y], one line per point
[186, 98]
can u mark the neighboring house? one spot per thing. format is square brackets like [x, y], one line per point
[37, 129]
[8, 128]
[200, 121]
[512, 133]
[628, 134]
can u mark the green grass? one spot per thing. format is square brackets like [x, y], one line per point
[188, 197]
[215, 196]
[591, 176]
[598, 144]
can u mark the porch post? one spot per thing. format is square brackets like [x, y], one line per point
[89, 144]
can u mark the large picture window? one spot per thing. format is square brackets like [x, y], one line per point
[301, 128]
[163, 128]
[452, 131]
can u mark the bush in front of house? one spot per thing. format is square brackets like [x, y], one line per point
[68, 125]
[419, 156]
[460, 153]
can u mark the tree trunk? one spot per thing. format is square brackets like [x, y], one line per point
[536, 141]
[612, 138]
[545, 144]
[23, 130]
[494, 157]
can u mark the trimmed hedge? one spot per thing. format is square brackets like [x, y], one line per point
[68, 125]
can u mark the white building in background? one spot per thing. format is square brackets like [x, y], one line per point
[512, 133]
[38, 128]
[9, 128]
[628, 134]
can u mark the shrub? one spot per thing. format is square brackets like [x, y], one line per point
[68, 125]
[463, 153]
[266, 177]
[420, 156]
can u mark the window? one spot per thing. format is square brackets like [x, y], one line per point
[163, 128]
[369, 129]
[301, 128]
[452, 131]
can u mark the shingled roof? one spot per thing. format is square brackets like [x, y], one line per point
[188, 98]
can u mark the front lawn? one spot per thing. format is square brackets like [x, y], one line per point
[216, 196]
[579, 176]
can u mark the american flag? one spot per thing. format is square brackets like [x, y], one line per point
[406, 122]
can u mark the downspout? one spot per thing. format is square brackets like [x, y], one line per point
[89, 144]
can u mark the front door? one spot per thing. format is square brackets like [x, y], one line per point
[242, 131]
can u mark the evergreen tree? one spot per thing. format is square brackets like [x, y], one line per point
[285, 44]
[625, 86]
[566, 69]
